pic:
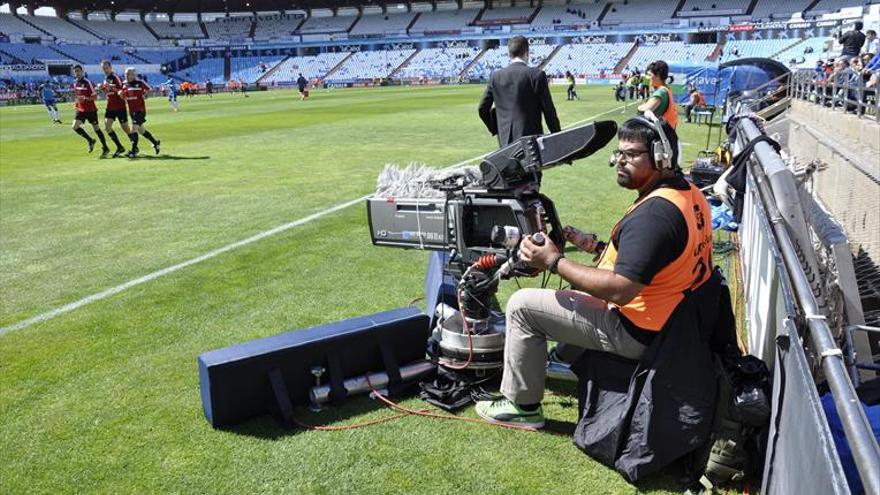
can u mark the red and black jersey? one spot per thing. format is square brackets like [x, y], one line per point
[85, 95]
[134, 93]
[112, 85]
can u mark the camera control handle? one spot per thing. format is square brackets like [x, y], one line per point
[539, 239]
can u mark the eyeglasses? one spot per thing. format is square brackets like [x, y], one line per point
[628, 155]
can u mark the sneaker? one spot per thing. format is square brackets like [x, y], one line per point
[156, 146]
[105, 152]
[91, 145]
[119, 152]
[505, 411]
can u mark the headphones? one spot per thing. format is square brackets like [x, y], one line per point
[661, 150]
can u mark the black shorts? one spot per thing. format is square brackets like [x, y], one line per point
[138, 118]
[119, 115]
[90, 117]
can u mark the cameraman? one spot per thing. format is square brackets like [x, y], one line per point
[661, 248]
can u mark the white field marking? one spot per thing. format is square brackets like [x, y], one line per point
[104, 294]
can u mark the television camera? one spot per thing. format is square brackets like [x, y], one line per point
[479, 219]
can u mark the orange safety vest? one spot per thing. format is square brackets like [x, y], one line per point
[671, 113]
[653, 306]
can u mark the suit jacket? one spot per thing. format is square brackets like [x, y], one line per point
[520, 94]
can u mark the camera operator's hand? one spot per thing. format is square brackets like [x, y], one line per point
[537, 256]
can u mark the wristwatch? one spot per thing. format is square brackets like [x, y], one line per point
[555, 263]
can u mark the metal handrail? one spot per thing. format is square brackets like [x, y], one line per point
[859, 434]
[804, 86]
[777, 79]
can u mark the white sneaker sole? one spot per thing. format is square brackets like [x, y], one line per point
[488, 419]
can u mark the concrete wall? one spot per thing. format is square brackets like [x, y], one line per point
[848, 181]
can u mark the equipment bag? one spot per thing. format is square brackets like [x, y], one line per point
[742, 413]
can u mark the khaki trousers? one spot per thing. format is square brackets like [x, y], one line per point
[537, 315]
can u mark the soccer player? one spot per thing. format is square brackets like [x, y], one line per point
[48, 95]
[134, 91]
[571, 92]
[115, 106]
[86, 110]
[301, 83]
[172, 94]
[242, 86]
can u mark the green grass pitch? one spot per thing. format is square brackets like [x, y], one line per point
[105, 399]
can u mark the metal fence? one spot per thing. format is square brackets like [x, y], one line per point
[845, 90]
[789, 330]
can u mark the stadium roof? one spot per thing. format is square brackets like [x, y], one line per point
[200, 5]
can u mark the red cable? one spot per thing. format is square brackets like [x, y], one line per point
[470, 335]
[348, 427]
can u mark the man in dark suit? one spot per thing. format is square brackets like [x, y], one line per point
[520, 94]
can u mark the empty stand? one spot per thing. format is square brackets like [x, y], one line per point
[206, 69]
[132, 32]
[161, 56]
[230, 28]
[177, 30]
[438, 62]
[62, 29]
[370, 65]
[736, 49]
[831, 6]
[506, 15]
[276, 27]
[496, 58]
[382, 23]
[809, 52]
[12, 26]
[335, 24]
[577, 15]
[250, 69]
[30, 53]
[90, 54]
[670, 52]
[701, 8]
[587, 59]
[778, 9]
[444, 21]
[311, 67]
[639, 13]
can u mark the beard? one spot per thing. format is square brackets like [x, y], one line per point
[624, 179]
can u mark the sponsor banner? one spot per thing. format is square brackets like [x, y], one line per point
[823, 25]
[23, 71]
[657, 37]
[499, 22]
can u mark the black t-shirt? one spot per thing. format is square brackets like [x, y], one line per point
[852, 42]
[647, 240]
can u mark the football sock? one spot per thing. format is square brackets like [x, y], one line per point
[82, 132]
[101, 138]
[115, 139]
[149, 137]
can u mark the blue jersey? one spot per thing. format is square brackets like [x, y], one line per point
[172, 86]
[48, 95]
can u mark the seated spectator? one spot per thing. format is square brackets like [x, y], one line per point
[872, 43]
[696, 101]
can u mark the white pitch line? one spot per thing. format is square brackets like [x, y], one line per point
[104, 294]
